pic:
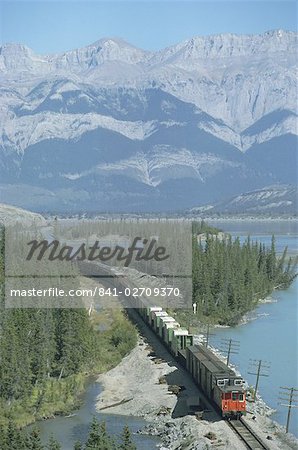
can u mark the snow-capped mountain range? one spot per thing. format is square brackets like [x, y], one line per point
[111, 126]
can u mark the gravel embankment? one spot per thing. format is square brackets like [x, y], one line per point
[134, 388]
[139, 386]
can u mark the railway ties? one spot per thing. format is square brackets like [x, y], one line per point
[251, 440]
[242, 429]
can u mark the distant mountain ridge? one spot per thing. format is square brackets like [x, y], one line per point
[199, 121]
[270, 200]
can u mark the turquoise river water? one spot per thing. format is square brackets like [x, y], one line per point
[272, 335]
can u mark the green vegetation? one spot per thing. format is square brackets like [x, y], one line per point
[115, 342]
[202, 228]
[98, 438]
[230, 278]
[46, 355]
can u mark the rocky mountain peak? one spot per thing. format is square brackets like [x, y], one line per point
[208, 118]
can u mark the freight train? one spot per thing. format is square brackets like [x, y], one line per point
[218, 382]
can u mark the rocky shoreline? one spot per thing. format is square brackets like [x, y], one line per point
[141, 385]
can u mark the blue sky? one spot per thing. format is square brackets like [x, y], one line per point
[54, 26]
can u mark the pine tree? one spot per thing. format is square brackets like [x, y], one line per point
[15, 372]
[14, 438]
[98, 438]
[34, 441]
[53, 444]
[73, 340]
[229, 277]
[126, 441]
[3, 441]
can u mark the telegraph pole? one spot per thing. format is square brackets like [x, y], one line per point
[208, 335]
[230, 346]
[291, 398]
[261, 368]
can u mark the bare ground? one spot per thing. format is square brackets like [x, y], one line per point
[139, 385]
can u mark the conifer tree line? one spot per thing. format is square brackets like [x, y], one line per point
[98, 438]
[229, 278]
[45, 354]
[37, 345]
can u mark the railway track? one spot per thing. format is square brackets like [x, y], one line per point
[243, 430]
[247, 435]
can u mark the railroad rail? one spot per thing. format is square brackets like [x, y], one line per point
[242, 429]
[247, 435]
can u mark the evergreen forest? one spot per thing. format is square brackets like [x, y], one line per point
[229, 278]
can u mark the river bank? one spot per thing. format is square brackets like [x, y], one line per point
[272, 337]
[75, 427]
[270, 333]
[134, 388]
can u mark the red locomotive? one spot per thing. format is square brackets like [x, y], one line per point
[219, 383]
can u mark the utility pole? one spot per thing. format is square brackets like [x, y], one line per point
[290, 397]
[230, 346]
[207, 335]
[261, 370]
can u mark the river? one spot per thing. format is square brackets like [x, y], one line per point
[272, 336]
[69, 430]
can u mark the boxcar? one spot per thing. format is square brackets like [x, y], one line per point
[220, 383]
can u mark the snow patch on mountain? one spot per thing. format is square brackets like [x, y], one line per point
[275, 198]
[259, 195]
[223, 132]
[162, 163]
[286, 126]
[20, 132]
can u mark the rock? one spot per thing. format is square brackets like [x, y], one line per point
[174, 389]
[163, 410]
[162, 380]
[158, 361]
[210, 435]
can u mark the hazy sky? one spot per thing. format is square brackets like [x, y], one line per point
[53, 26]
